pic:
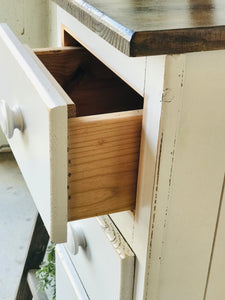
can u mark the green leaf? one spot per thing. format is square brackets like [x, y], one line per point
[46, 273]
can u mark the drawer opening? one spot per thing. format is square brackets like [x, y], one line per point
[104, 130]
[93, 87]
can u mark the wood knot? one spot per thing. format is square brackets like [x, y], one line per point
[101, 142]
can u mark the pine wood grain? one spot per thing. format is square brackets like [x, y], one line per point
[92, 87]
[63, 63]
[103, 153]
[149, 27]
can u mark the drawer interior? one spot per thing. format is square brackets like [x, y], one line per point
[104, 129]
[92, 87]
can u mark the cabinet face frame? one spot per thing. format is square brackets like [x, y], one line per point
[149, 83]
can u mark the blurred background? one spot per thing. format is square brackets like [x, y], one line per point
[32, 21]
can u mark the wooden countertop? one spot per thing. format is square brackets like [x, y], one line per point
[152, 27]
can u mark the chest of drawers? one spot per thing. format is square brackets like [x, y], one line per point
[173, 229]
[174, 220]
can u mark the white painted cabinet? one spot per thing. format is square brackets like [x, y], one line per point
[181, 170]
[175, 230]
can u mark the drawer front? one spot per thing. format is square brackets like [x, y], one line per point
[105, 264]
[40, 149]
[68, 284]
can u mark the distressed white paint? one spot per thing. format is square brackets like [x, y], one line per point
[147, 166]
[173, 67]
[106, 265]
[189, 176]
[41, 150]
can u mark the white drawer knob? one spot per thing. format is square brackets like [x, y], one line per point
[75, 238]
[10, 119]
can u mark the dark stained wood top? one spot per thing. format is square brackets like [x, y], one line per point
[152, 27]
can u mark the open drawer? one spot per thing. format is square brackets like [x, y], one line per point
[76, 137]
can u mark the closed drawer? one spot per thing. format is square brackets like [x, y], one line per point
[68, 284]
[77, 146]
[104, 261]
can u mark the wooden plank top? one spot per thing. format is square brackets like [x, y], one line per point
[152, 27]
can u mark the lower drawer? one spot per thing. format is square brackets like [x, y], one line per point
[68, 284]
[74, 128]
[103, 261]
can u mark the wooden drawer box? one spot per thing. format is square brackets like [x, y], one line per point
[78, 144]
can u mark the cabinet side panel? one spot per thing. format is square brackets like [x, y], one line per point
[190, 177]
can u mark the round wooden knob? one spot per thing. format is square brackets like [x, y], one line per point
[10, 119]
[75, 238]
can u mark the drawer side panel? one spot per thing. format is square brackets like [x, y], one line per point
[103, 154]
